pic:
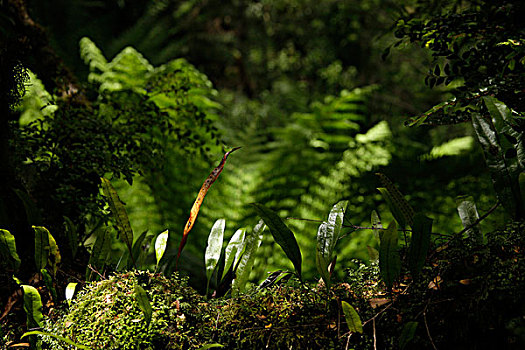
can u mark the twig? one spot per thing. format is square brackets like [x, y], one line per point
[375, 338]
[95, 271]
[428, 331]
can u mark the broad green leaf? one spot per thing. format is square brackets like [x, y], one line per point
[352, 318]
[119, 213]
[72, 235]
[142, 300]
[8, 248]
[282, 235]
[389, 261]
[407, 334]
[32, 307]
[401, 210]
[253, 241]
[70, 292]
[376, 224]
[54, 257]
[48, 281]
[99, 252]
[41, 246]
[58, 337]
[504, 159]
[468, 214]
[322, 255]
[327, 236]
[233, 250]
[213, 249]
[160, 245]
[421, 231]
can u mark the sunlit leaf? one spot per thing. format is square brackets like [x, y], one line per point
[8, 248]
[327, 236]
[142, 300]
[352, 318]
[407, 334]
[214, 248]
[282, 235]
[417, 254]
[389, 261]
[253, 241]
[401, 210]
[233, 250]
[32, 307]
[119, 213]
[160, 245]
[200, 198]
[70, 292]
[58, 337]
[468, 214]
[54, 258]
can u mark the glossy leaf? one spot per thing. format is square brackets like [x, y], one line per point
[401, 210]
[214, 248]
[32, 307]
[70, 292]
[282, 235]
[352, 318]
[160, 245]
[419, 244]
[253, 241]
[233, 250]
[468, 214]
[58, 337]
[407, 334]
[119, 213]
[214, 175]
[504, 170]
[389, 261]
[8, 249]
[41, 246]
[142, 300]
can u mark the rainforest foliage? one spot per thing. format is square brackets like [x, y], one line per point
[375, 198]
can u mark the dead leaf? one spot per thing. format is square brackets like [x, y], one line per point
[465, 282]
[376, 302]
[198, 202]
[435, 283]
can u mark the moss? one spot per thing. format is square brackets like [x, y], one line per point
[106, 315]
[468, 296]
